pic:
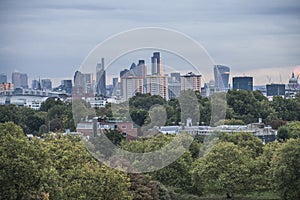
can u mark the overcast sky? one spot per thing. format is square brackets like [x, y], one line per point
[51, 38]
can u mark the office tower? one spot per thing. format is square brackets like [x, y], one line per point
[156, 64]
[157, 85]
[101, 79]
[16, 79]
[242, 83]
[221, 75]
[115, 82]
[3, 78]
[174, 86]
[130, 86]
[124, 72]
[141, 69]
[175, 77]
[275, 89]
[174, 89]
[83, 83]
[34, 84]
[19, 80]
[67, 86]
[46, 84]
[24, 81]
[190, 81]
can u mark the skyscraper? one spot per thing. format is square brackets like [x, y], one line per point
[101, 79]
[46, 84]
[124, 72]
[174, 87]
[191, 81]
[242, 83]
[130, 86]
[19, 80]
[24, 80]
[34, 84]
[3, 78]
[83, 83]
[67, 86]
[221, 75]
[157, 85]
[275, 89]
[156, 64]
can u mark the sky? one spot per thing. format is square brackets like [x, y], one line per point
[51, 38]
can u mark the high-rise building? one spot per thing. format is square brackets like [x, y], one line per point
[242, 83]
[35, 84]
[124, 72]
[46, 84]
[174, 87]
[83, 83]
[221, 75]
[130, 86]
[101, 79]
[175, 77]
[24, 81]
[3, 78]
[275, 89]
[115, 82]
[67, 86]
[156, 64]
[191, 81]
[19, 80]
[157, 85]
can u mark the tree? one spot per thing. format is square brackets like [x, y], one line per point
[290, 130]
[30, 121]
[49, 103]
[226, 169]
[245, 140]
[283, 134]
[23, 165]
[9, 113]
[176, 174]
[80, 176]
[249, 106]
[285, 169]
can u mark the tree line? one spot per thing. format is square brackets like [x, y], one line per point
[59, 166]
[243, 107]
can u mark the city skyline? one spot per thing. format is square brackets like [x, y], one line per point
[250, 37]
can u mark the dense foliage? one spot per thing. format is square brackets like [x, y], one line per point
[56, 166]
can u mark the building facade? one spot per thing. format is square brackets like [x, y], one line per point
[3, 78]
[101, 79]
[20, 80]
[221, 76]
[242, 83]
[46, 84]
[190, 81]
[130, 86]
[275, 89]
[156, 64]
[157, 85]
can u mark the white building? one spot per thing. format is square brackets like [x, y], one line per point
[130, 86]
[33, 102]
[157, 85]
[96, 102]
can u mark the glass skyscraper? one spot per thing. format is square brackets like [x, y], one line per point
[221, 75]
